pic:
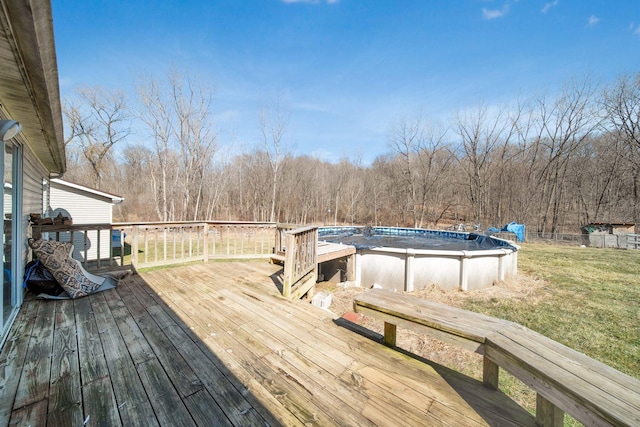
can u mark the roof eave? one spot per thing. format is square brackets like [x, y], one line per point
[32, 94]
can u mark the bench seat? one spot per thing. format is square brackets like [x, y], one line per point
[590, 391]
[564, 379]
[450, 324]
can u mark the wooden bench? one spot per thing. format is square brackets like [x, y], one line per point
[564, 379]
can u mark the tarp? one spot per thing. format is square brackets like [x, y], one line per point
[517, 229]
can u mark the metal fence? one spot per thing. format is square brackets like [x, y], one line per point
[596, 240]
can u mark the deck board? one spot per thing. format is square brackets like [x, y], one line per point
[216, 344]
[12, 359]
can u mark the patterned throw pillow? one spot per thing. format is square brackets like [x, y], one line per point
[56, 257]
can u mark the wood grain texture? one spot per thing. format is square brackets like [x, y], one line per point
[217, 344]
[564, 379]
[590, 391]
[12, 358]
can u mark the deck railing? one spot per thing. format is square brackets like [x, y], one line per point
[156, 244]
[101, 247]
[281, 237]
[301, 261]
[98, 247]
[150, 244]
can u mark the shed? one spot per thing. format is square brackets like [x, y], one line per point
[607, 234]
[84, 205]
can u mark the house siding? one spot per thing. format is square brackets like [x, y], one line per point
[83, 210]
[34, 173]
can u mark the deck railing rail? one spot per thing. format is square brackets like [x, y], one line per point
[164, 243]
[150, 244]
[281, 237]
[104, 247]
[98, 247]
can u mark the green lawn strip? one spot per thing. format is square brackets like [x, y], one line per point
[591, 303]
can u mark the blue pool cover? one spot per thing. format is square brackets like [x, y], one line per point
[405, 238]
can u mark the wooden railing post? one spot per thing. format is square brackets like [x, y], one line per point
[490, 373]
[548, 414]
[289, 264]
[205, 239]
[134, 246]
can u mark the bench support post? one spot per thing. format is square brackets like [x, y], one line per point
[390, 334]
[490, 373]
[548, 414]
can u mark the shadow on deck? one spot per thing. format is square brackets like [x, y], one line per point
[216, 344]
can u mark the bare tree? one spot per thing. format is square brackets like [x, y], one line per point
[156, 115]
[424, 157]
[274, 120]
[96, 121]
[179, 120]
[622, 107]
[484, 135]
[566, 123]
[196, 137]
[594, 176]
[134, 168]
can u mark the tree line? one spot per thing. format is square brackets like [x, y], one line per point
[553, 162]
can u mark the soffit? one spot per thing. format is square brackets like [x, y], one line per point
[29, 91]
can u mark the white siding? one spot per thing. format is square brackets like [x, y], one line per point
[83, 209]
[34, 173]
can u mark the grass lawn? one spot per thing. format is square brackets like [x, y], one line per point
[590, 302]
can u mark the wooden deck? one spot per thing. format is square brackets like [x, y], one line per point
[327, 251]
[215, 344]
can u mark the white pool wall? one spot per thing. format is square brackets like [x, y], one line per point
[410, 269]
[399, 269]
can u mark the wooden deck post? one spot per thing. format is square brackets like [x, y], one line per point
[289, 265]
[205, 243]
[548, 414]
[358, 269]
[134, 246]
[490, 373]
[390, 334]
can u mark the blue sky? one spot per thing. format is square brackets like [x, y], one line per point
[347, 69]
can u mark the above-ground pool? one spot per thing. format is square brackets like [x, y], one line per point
[407, 259]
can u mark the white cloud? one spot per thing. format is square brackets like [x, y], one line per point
[228, 116]
[548, 6]
[495, 13]
[637, 31]
[593, 20]
[310, 107]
